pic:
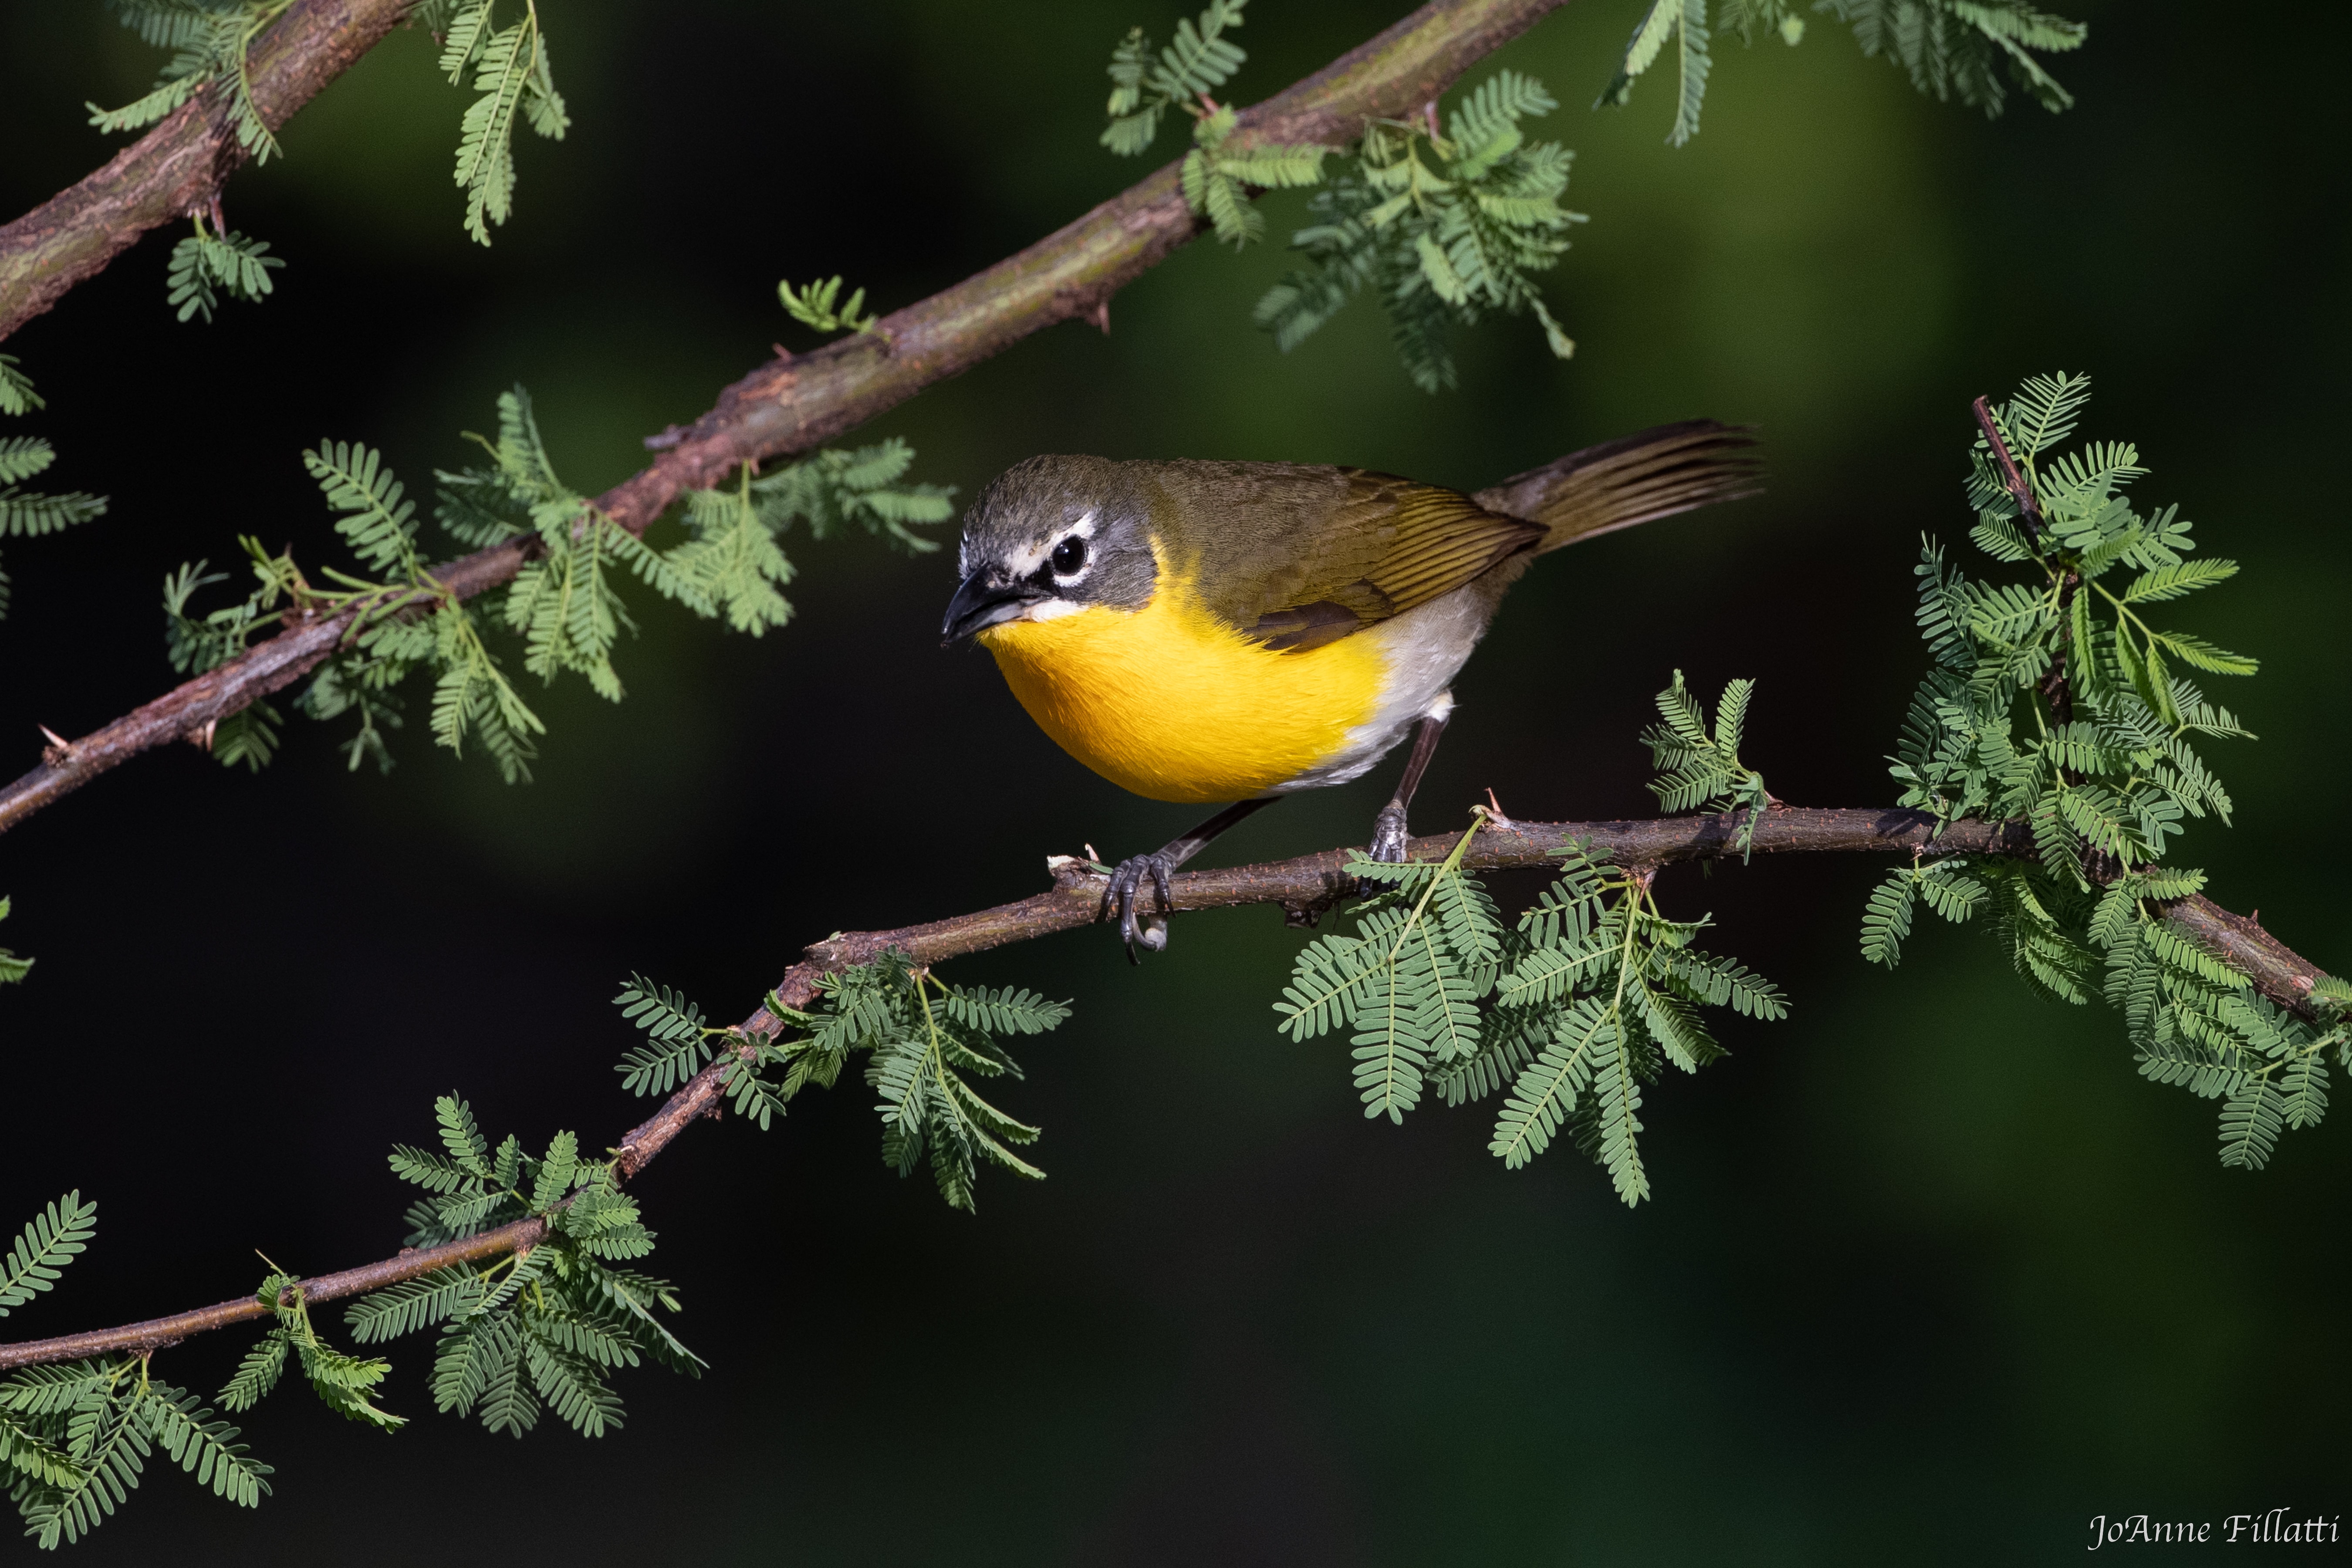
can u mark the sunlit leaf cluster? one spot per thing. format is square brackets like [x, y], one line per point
[1568, 1014]
[2059, 700]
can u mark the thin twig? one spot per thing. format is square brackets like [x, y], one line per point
[786, 407]
[2013, 477]
[1076, 899]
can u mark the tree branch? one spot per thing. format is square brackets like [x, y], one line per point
[1308, 883]
[793, 405]
[179, 167]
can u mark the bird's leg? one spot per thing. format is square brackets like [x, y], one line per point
[1388, 828]
[1123, 895]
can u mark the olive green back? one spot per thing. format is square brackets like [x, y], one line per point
[1303, 555]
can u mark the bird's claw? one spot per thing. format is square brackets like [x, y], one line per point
[1389, 835]
[1121, 902]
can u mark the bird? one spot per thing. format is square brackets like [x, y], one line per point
[1202, 631]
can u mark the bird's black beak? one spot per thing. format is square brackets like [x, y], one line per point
[984, 601]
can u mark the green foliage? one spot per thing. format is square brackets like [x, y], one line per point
[346, 1385]
[540, 1329]
[17, 393]
[1702, 770]
[54, 1239]
[210, 40]
[1409, 982]
[1944, 885]
[1443, 228]
[1144, 82]
[1957, 48]
[13, 969]
[565, 602]
[1953, 48]
[26, 513]
[866, 488]
[511, 79]
[925, 1041]
[1586, 997]
[205, 262]
[814, 306]
[678, 1037]
[1217, 178]
[731, 560]
[2055, 702]
[1685, 22]
[75, 1438]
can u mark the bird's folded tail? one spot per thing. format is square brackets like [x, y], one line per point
[1650, 474]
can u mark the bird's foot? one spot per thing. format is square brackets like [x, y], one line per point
[1123, 898]
[1389, 835]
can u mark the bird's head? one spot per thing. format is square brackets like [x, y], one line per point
[1052, 536]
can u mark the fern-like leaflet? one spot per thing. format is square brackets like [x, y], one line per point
[77, 1435]
[28, 513]
[2054, 701]
[1590, 994]
[1951, 48]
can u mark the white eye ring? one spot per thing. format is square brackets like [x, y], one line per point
[1070, 558]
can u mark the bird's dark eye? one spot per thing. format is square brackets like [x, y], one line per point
[1068, 556]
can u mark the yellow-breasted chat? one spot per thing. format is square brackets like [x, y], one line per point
[1206, 631]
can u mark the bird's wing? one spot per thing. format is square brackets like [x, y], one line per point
[1387, 546]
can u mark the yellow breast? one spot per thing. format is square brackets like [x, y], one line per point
[1172, 703]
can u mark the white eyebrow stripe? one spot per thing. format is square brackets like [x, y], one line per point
[1022, 562]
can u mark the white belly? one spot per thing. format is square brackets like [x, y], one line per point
[1425, 647]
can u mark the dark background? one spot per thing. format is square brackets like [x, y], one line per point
[1931, 1276]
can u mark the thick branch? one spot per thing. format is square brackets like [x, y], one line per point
[179, 166]
[1310, 881]
[790, 406]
